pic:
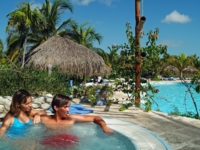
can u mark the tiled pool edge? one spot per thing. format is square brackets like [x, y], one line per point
[128, 137]
[141, 138]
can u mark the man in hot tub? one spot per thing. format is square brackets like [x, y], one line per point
[60, 105]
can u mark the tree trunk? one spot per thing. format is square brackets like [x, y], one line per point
[181, 74]
[24, 52]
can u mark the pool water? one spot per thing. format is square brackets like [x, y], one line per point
[82, 136]
[172, 95]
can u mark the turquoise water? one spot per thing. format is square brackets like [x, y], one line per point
[82, 136]
[171, 95]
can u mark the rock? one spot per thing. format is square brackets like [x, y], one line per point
[8, 97]
[1, 108]
[5, 101]
[2, 115]
[7, 108]
[45, 106]
[48, 100]
[39, 100]
[36, 105]
[49, 96]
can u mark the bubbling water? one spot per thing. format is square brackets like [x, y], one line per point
[82, 136]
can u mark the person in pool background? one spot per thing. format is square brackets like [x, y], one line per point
[21, 113]
[60, 105]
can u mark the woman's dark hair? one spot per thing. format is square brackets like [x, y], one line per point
[18, 98]
[60, 100]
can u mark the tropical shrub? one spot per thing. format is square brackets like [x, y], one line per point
[33, 80]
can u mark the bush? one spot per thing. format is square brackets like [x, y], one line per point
[33, 80]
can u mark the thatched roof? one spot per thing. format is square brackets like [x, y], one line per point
[172, 68]
[68, 56]
[190, 69]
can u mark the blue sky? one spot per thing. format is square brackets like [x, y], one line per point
[177, 20]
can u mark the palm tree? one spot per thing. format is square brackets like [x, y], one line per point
[13, 46]
[1, 49]
[181, 62]
[51, 15]
[47, 17]
[1, 45]
[2, 54]
[84, 34]
[113, 56]
[111, 59]
[23, 20]
[196, 61]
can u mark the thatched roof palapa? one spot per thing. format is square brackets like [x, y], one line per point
[190, 69]
[68, 56]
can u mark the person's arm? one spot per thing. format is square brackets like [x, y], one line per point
[96, 119]
[7, 121]
[35, 114]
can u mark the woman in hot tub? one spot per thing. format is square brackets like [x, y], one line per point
[21, 113]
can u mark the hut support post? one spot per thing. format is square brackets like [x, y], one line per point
[84, 80]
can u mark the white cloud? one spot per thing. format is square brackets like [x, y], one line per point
[107, 2]
[175, 16]
[82, 2]
[87, 2]
[171, 43]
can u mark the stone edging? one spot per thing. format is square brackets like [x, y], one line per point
[42, 102]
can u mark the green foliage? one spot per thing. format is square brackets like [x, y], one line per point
[1, 46]
[155, 78]
[33, 80]
[195, 80]
[125, 106]
[77, 92]
[176, 112]
[109, 102]
[84, 34]
[148, 106]
[128, 86]
[91, 94]
[155, 56]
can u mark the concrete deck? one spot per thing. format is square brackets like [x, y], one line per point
[140, 137]
[152, 130]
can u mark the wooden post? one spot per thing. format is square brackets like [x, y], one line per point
[137, 53]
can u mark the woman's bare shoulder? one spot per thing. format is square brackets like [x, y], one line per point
[8, 115]
[8, 118]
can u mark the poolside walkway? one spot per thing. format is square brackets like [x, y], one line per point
[179, 133]
[140, 137]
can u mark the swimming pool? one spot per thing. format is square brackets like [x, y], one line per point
[171, 95]
[82, 136]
